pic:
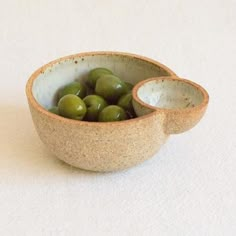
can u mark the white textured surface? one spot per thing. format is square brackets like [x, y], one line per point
[170, 94]
[189, 188]
[48, 83]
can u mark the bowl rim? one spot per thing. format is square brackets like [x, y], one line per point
[204, 102]
[42, 69]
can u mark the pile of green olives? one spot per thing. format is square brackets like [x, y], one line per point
[110, 99]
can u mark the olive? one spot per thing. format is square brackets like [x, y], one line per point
[95, 104]
[95, 74]
[112, 113]
[125, 102]
[110, 87]
[75, 88]
[54, 110]
[129, 86]
[72, 107]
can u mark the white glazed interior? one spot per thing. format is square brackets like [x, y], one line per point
[128, 68]
[170, 94]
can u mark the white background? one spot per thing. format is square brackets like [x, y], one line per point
[188, 188]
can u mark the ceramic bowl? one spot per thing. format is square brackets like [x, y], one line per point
[181, 101]
[95, 146]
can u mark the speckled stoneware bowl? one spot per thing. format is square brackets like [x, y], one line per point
[92, 145]
[181, 102]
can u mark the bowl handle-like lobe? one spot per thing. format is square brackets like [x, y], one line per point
[182, 120]
[177, 120]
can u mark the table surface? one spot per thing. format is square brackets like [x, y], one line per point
[188, 188]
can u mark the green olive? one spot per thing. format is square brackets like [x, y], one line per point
[129, 86]
[112, 113]
[54, 110]
[72, 107]
[75, 88]
[110, 87]
[125, 102]
[95, 74]
[95, 104]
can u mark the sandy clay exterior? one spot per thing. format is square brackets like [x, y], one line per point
[92, 145]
